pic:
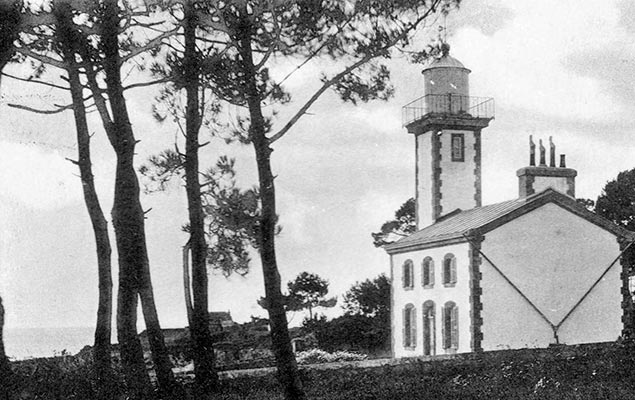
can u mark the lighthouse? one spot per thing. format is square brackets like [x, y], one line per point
[532, 271]
[447, 123]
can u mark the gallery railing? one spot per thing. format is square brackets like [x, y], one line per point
[448, 104]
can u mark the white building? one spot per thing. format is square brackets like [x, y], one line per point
[528, 272]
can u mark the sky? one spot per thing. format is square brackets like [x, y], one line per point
[561, 69]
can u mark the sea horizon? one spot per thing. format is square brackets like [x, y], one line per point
[25, 343]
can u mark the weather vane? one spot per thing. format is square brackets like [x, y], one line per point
[442, 36]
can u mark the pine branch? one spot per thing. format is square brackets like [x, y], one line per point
[17, 78]
[42, 58]
[272, 48]
[349, 69]
[155, 42]
[40, 111]
[145, 84]
[316, 96]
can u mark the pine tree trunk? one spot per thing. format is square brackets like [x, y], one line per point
[280, 339]
[102, 348]
[128, 221]
[8, 14]
[9, 20]
[187, 284]
[160, 356]
[204, 365]
[5, 369]
[101, 351]
[138, 385]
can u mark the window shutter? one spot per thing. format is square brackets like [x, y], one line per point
[403, 326]
[403, 275]
[408, 274]
[444, 335]
[424, 273]
[455, 327]
[413, 327]
[453, 270]
[445, 271]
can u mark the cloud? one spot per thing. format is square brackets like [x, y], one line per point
[523, 63]
[295, 220]
[488, 16]
[613, 68]
[627, 15]
[37, 178]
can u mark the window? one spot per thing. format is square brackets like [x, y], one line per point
[408, 277]
[427, 273]
[458, 147]
[449, 270]
[450, 326]
[429, 330]
[409, 326]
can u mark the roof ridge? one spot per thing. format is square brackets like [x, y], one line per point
[453, 227]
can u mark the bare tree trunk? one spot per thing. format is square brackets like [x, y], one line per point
[281, 341]
[128, 221]
[102, 351]
[204, 363]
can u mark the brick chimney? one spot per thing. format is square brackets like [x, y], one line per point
[536, 178]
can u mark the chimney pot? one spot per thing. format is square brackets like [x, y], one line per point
[552, 153]
[543, 161]
[532, 151]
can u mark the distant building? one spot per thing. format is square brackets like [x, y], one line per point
[529, 272]
[173, 337]
[219, 323]
[220, 320]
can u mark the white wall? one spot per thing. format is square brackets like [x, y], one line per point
[424, 179]
[553, 257]
[457, 177]
[439, 294]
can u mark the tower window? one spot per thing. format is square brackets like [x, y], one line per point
[408, 277]
[458, 147]
[427, 273]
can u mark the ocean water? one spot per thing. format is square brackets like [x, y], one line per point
[21, 343]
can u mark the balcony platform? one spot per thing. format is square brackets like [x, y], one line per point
[447, 111]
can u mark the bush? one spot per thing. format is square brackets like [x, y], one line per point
[64, 377]
[317, 356]
[349, 332]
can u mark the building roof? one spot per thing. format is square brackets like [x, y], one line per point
[220, 316]
[446, 61]
[458, 225]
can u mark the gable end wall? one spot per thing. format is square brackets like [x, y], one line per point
[553, 256]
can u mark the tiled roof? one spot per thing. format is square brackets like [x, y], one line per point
[220, 316]
[455, 225]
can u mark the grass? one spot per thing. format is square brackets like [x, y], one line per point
[582, 372]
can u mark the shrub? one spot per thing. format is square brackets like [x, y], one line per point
[317, 356]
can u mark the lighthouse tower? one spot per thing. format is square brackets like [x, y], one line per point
[446, 123]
